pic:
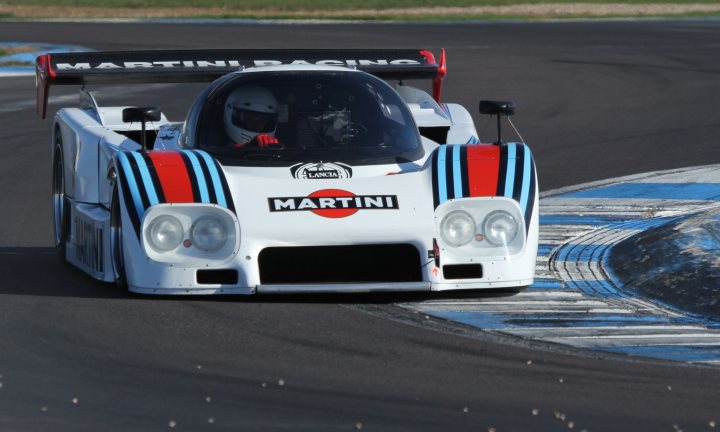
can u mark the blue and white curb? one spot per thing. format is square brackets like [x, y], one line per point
[30, 52]
[575, 299]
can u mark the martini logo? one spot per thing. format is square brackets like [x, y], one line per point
[333, 203]
[321, 170]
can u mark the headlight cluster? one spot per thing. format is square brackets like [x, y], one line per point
[209, 233]
[165, 233]
[488, 226]
[186, 233]
[500, 228]
[457, 228]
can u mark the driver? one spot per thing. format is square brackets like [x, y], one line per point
[251, 117]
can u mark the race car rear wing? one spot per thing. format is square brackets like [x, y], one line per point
[180, 66]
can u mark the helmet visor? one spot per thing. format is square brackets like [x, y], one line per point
[254, 121]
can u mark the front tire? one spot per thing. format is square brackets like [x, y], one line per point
[116, 242]
[60, 205]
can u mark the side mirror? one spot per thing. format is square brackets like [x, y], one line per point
[142, 115]
[497, 107]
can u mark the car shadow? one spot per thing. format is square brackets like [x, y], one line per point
[39, 271]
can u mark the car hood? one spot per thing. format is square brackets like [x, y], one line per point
[363, 205]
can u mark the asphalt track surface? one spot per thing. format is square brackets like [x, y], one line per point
[596, 100]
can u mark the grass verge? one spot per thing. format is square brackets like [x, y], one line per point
[368, 10]
[316, 5]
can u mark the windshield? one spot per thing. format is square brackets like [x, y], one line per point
[327, 116]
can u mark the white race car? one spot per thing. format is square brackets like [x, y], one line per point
[294, 171]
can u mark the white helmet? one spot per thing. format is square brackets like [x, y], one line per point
[249, 111]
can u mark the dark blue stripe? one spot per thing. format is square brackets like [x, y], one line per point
[146, 178]
[131, 183]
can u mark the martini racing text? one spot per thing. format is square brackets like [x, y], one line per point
[225, 64]
[359, 202]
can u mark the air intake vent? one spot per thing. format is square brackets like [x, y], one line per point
[217, 277]
[338, 264]
[462, 271]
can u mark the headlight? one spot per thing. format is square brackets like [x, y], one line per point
[209, 233]
[457, 228]
[500, 228]
[165, 233]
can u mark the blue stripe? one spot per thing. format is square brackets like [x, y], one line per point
[147, 180]
[683, 191]
[527, 172]
[694, 353]
[592, 220]
[442, 181]
[545, 250]
[510, 177]
[202, 185]
[545, 283]
[215, 176]
[579, 251]
[473, 140]
[130, 179]
[494, 320]
[457, 172]
[447, 111]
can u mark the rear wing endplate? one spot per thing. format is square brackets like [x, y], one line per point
[180, 66]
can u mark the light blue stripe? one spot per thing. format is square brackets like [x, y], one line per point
[510, 177]
[681, 191]
[442, 183]
[457, 172]
[130, 179]
[447, 111]
[215, 176]
[147, 180]
[578, 219]
[202, 185]
[527, 172]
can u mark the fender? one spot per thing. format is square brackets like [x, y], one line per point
[159, 177]
[480, 170]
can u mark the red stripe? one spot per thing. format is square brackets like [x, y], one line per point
[483, 169]
[173, 176]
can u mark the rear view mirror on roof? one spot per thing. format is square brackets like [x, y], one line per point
[497, 107]
[141, 114]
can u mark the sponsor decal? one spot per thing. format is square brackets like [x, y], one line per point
[89, 245]
[321, 170]
[333, 203]
[209, 64]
